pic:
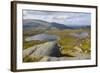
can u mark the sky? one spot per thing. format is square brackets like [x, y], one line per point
[66, 18]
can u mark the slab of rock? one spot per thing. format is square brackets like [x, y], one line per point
[46, 49]
[79, 57]
[29, 51]
[48, 58]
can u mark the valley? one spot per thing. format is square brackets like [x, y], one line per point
[69, 43]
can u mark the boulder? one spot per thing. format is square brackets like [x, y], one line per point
[48, 58]
[46, 49]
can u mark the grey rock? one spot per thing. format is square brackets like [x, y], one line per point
[48, 58]
[46, 49]
[79, 57]
[29, 51]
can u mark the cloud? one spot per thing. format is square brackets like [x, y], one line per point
[67, 18]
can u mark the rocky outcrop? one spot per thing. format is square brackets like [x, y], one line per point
[78, 57]
[46, 49]
[51, 51]
[47, 58]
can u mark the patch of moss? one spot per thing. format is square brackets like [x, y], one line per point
[85, 45]
[31, 43]
[27, 59]
[32, 59]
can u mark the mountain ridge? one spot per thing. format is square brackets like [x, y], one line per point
[41, 24]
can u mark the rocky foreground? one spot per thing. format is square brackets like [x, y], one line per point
[51, 51]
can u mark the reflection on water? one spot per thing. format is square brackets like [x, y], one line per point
[80, 35]
[42, 37]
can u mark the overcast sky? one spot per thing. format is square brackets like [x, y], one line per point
[67, 18]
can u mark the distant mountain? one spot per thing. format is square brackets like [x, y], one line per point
[35, 24]
[79, 26]
[40, 24]
[59, 26]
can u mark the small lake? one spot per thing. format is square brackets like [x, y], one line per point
[42, 37]
[80, 35]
